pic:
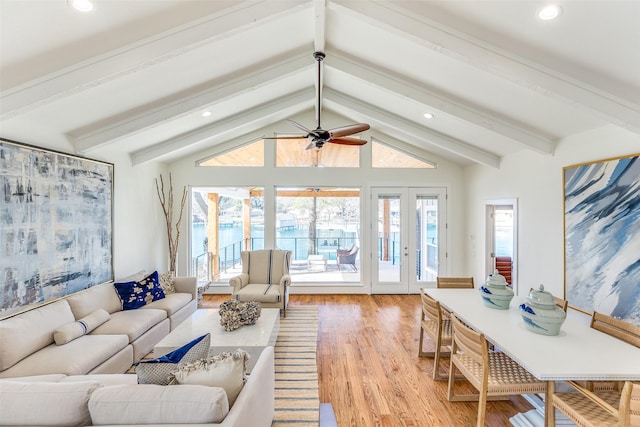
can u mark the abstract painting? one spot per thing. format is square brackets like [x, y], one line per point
[602, 237]
[55, 225]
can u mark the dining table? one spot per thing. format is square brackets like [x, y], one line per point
[578, 352]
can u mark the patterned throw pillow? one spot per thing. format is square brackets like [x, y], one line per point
[167, 283]
[158, 370]
[226, 370]
[137, 294]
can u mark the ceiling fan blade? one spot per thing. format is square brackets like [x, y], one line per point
[286, 137]
[299, 126]
[348, 130]
[310, 146]
[348, 141]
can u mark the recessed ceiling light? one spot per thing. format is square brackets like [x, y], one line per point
[81, 5]
[428, 116]
[550, 12]
[206, 113]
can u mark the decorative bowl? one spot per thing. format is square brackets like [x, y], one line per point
[540, 313]
[495, 293]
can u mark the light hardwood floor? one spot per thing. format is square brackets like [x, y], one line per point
[369, 369]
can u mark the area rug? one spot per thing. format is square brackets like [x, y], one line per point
[297, 401]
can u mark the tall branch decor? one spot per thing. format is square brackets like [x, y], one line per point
[166, 201]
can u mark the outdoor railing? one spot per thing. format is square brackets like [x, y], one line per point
[229, 257]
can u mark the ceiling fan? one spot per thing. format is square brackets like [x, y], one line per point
[318, 137]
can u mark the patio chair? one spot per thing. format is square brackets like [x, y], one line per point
[438, 329]
[347, 257]
[492, 373]
[265, 278]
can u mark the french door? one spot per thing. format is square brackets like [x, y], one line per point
[409, 238]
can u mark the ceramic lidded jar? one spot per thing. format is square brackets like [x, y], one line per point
[541, 314]
[495, 292]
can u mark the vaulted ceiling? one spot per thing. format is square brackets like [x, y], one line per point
[136, 76]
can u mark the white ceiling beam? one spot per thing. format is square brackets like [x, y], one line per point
[319, 24]
[223, 130]
[319, 38]
[137, 56]
[489, 58]
[409, 129]
[186, 105]
[393, 83]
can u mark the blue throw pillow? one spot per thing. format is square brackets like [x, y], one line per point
[137, 294]
[158, 370]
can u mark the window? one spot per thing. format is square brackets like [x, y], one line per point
[383, 156]
[313, 223]
[248, 155]
[294, 153]
[225, 221]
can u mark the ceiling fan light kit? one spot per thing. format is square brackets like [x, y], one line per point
[318, 137]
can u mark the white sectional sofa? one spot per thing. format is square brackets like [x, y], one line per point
[28, 345]
[111, 400]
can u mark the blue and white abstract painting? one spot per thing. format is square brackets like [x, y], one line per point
[602, 237]
[55, 225]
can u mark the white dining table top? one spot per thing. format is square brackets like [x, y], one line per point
[577, 353]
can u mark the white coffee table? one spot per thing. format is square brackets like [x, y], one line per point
[251, 338]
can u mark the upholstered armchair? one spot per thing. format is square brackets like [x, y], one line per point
[265, 278]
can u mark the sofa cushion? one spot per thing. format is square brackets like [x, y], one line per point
[77, 357]
[132, 323]
[158, 370]
[28, 332]
[49, 378]
[71, 331]
[156, 404]
[102, 296]
[171, 303]
[103, 379]
[226, 370]
[259, 293]
[135, 277]
[136, 294]
[45, 403]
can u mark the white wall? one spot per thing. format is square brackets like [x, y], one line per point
[139, 232]
[535, 180]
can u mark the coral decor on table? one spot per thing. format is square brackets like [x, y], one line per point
[234, 314]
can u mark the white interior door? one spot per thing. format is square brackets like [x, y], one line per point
[409, 238]
[501, 235]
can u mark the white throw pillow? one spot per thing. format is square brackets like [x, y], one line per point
[157, 404]
[45, 404]
[226, 370]
[71, 331]
[167, 283]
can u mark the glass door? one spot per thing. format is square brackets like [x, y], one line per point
[409, 238]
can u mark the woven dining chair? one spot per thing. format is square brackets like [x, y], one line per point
[603, 409]
[492, 373]
[454, 282]
[438, 329]
[443, 282]
[620, 329]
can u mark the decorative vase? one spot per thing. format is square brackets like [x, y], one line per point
[541, 314]
[495, 293]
